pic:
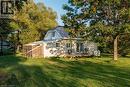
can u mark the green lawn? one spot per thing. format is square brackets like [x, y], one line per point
[54, 72]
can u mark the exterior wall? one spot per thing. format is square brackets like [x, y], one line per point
[70, 50]
[60, 51]
[50, 49]
[90, 46]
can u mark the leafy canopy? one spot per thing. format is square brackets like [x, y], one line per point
[111, 14]
[107, 19]
[33, 20]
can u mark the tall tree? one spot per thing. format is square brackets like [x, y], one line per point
[74, 19]
[108, 18]
[5, 28]
[33, 20]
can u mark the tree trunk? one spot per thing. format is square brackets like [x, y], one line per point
[116, 48]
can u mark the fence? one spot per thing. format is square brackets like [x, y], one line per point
[33, 50]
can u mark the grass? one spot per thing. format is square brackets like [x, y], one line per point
[59, 72]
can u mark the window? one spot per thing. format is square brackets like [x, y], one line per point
[80, 47]
[57, 44]
[53, 34]
[7, 7]
[77, 47]
[68, 45]
[49, 45]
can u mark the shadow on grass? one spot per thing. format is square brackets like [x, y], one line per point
[106, 75]
[60, 73]
[27, 75]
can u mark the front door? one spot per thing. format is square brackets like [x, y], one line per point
[79, 47]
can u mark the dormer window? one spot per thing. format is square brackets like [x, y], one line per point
[53, 34]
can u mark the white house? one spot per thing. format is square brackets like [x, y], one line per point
[58, 43]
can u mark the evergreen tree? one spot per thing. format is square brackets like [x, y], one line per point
[109, 19]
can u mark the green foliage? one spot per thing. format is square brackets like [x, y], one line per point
[114, 19]
[29, 35]
[33, 20]
[107, 18]
[75, 19]
[4, 26]
[124, 45]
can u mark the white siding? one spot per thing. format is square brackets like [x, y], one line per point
[52, 50]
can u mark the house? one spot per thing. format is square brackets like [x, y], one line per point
[6, 8]
[57, 43]
[6, 47]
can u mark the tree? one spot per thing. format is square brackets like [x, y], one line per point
[5, 27]
[33, 20]
[108, 18]
[124, 45]
[74, 19]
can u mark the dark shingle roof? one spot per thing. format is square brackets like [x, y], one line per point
[61, 31]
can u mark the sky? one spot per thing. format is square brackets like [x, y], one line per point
[56, 5]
